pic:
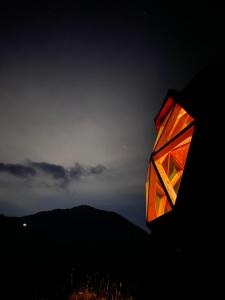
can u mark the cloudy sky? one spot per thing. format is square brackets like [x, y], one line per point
[80, 85]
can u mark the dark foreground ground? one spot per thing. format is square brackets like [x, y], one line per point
[50, 254]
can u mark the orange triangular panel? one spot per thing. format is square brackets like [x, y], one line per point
[180, 154]
[163, 112]
[161, 128]
[170, 162]
[178, 120]
[182, 139]
[158, 203]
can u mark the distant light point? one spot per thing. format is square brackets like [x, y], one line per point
[24, 224]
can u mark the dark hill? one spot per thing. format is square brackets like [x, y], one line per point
[44, 251]
[84, 230]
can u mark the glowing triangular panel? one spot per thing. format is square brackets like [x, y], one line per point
[182, 139]
[180, 154]
[170, 166]
[161, 128]
[170, 162]
[164, 112]
[158, 203]
[178, 120]
[173, 169]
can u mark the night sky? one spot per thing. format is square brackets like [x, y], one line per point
[80, 85]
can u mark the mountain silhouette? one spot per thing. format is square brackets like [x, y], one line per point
[39, 251]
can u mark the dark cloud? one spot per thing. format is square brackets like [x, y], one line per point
[78, 170]
[97, 169]
[56, 172]
[18, 170]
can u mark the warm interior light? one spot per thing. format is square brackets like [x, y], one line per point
[160, 205]
[168, 159]
[176, 120]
